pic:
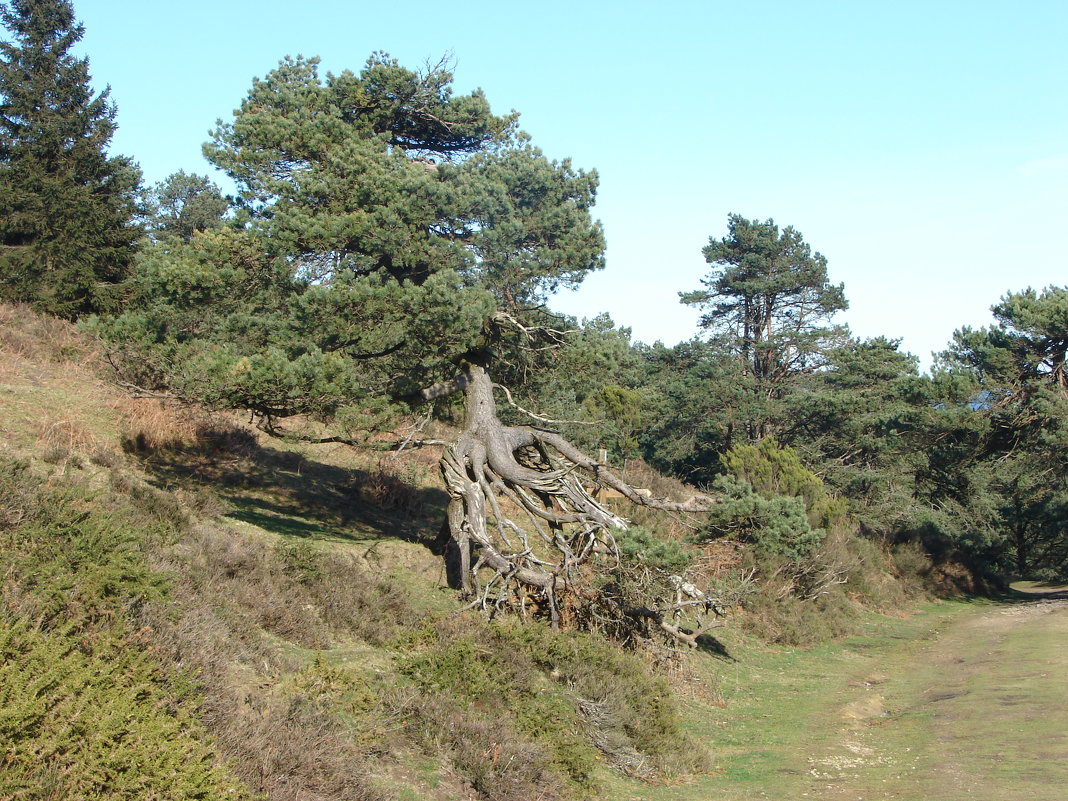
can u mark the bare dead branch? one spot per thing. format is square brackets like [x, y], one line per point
[514, 405]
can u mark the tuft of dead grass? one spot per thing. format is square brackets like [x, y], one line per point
[66, 433]
[392, 486]
[160, 430]
[151, 424]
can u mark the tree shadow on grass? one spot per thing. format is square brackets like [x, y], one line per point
[290, 494]
[708, 644]
[278, 519]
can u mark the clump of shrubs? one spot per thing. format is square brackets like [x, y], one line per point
[814, 573]
[571, 698]
[89, 710]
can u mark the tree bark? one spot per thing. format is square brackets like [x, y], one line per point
[522, 521]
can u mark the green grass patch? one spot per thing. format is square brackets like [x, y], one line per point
[777, 709]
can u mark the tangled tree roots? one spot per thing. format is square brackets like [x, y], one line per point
[522, 511]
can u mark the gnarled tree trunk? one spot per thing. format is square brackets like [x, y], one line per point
[522, 520]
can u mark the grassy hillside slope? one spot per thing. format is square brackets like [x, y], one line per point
[192, 610]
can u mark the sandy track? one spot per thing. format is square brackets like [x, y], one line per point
[981, 713]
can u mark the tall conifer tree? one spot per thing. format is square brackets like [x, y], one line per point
[65, 206]
[767, 299]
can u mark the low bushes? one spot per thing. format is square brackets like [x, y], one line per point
[572, 697]
[88, 711]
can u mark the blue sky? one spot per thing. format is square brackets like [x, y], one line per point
[921, 146]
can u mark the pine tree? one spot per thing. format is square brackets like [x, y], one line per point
[65, 205]
[419, 235]
[767, 299]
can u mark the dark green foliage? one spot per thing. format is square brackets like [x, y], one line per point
[184, 204]
[387, 221]
[1019, 472]
[183, 294]
[387, 173]
[533, 233]
[1028, 347]
[89, 714]
[65, 206]
[292, 120]
[866, 422]
[767, 300]
[620, 409]
[700, 401]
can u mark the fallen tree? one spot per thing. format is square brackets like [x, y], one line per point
[524, 529]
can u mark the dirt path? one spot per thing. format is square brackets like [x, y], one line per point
[981, 713]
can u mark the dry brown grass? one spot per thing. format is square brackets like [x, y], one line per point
[152, 426]
[719, 558]
[51, 405]
[29, 336]
[292, 751]
[60, 439]
[58, 401]
[240, 615]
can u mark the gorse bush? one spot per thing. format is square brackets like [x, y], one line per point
[772, 470]
[106, 660]
[90, 714]
[87, 709]
[76, 564]
[772, 500]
